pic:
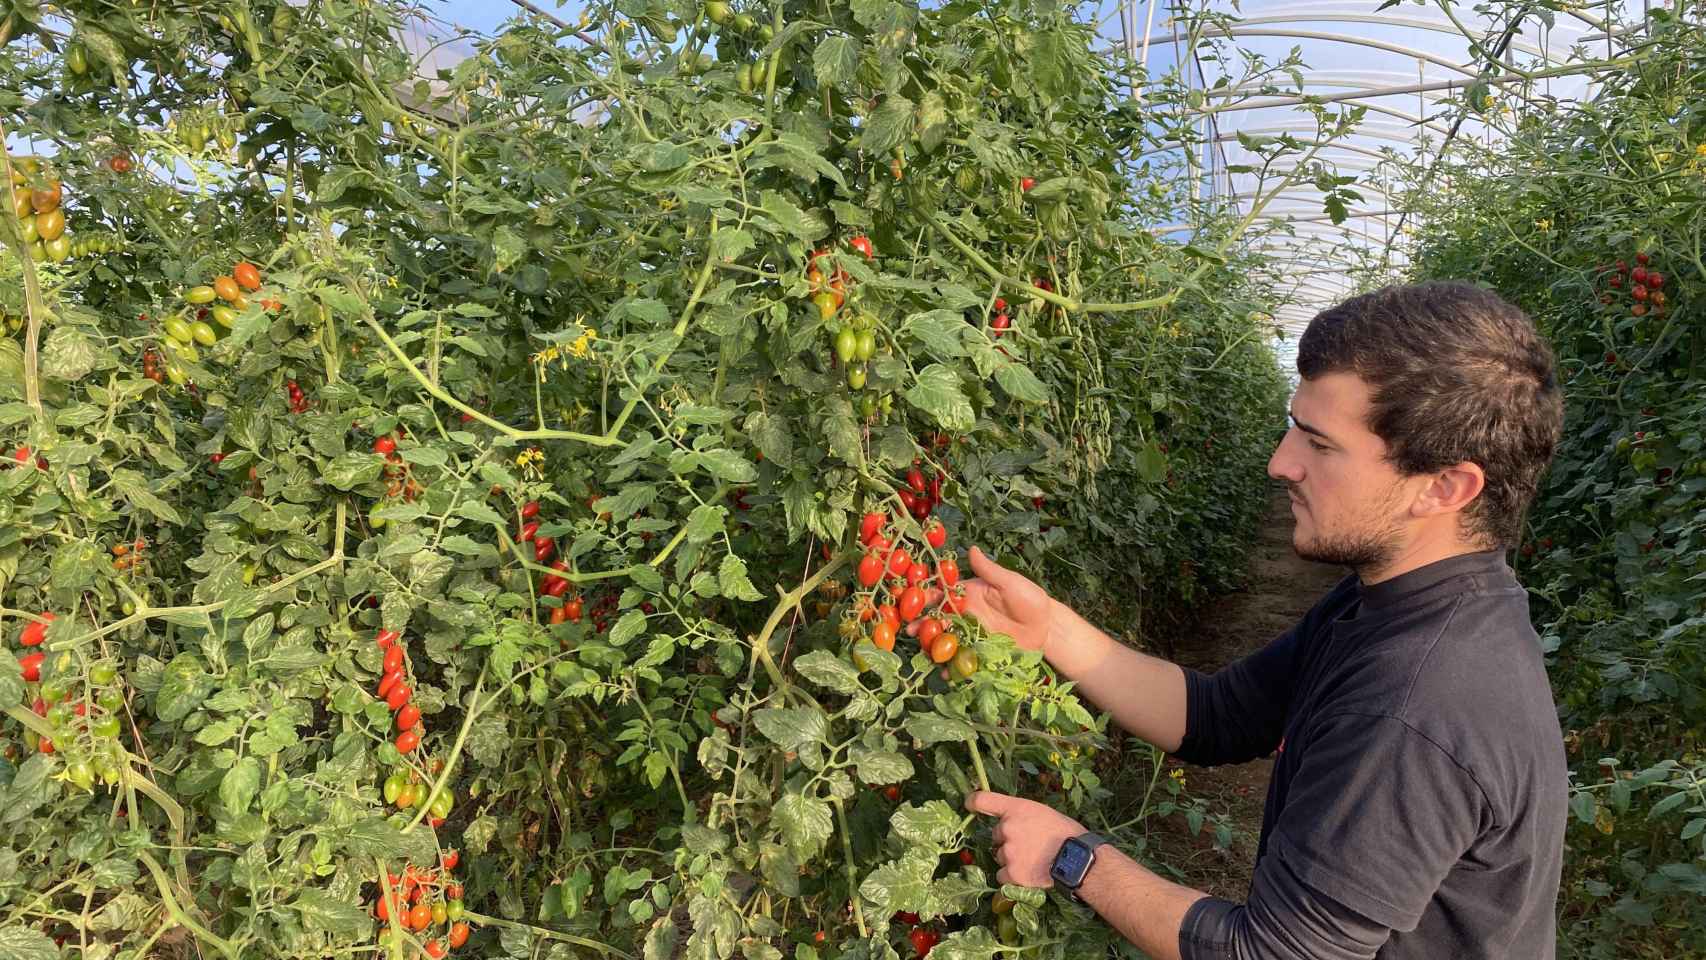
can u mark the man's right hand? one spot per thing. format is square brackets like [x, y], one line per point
[1007, 602]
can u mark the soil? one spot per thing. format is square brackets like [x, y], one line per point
[1280, 589]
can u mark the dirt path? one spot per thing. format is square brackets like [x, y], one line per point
[1281, 589]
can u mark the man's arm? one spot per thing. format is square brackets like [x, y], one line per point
[1145, 695]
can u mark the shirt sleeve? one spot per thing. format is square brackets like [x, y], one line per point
[1238, 713]
[1376, 817]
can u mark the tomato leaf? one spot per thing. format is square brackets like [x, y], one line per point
[902, 884]
[790, 217]
[792, 728]
[1020, 383]
[832, 673]
[322, 911]
[133, 487]
[806, 824]
[935, 728]
[836, 60]
[938, 393]
[20, 942]
[880, 766]
[68, 354]
[632, 624]
[888, 126]
[238, 787]
[183, 686]
[939, 330]
[732, 579]
[772, 437]
[352, 469]
[974, 943]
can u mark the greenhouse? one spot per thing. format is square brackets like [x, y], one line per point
[858, 479]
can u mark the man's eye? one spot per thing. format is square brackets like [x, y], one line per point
[1317, 446]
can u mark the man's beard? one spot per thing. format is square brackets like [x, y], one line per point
[1371, 547]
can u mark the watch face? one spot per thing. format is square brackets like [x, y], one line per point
[1072, 862]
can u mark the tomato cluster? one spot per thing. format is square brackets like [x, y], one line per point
[36, 198]
[426, 899]
[897, 588]
[399, 476]
[84, 717]
[1646, 287]
[129, 556]
[394, 689]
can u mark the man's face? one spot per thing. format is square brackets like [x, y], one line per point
[1350, 504]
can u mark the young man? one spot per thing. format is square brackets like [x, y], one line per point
[1417, 804]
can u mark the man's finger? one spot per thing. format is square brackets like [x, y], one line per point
[998, 836]
[1004, 875]
[1001, 856]
[986, 568]
[989, 803]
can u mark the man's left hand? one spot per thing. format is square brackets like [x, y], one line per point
[1027, 836]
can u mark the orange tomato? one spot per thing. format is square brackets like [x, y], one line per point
[246, 275]
[226, 288]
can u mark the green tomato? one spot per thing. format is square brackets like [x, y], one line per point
[110, 700]
[394, 787]
[856, 378]
[867, 346]
[106, 727]
[53, 691]
[178, 330]
[203, 333]
[224, 316]
[846, 344]
[176, 374]
[103, 673]
[203, 294]
[110, 773]
[455, 911]
[80, 775]
[441, 804]
[58, 249]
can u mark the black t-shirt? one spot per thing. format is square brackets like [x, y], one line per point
[1419, 789]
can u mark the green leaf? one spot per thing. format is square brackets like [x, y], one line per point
[806, 824]
[1151, 463]
[880, 766]
[20, 942]
[729, 243]
[1020, 383]
[133, 487]
[889, 126]
[324, 912]
[938, 393]
[632, 624]
[935, 728]
[352, 469]
[770, 434]
[933, 824]
[184, 684]
[74, 565]
[791, 218]
[705, 522]
[939, 330]
[794, 153]
[830, 672]
[902, 884]
[792, 728]
[240, 784]
[733, 582]
[836, 60]
[68, 354]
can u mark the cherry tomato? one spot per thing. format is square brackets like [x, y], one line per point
[928, 631]
[1027, 183]
[226, 288]
[889, 615]
[870, 569]
[34, 633]
[384, 445]
[387, 637]
[528, 531]
[916, 574]
[967, 857]
[398, 696]
[408, 716]
[393, 658]
[394, 785]
[543, 549]
[911, 604]
[882, 636]
[573, 610]
[420, 916]
[247, 275]
[407, 741]
[388, 682]
[964, 665]
[936, 535]
[440, 913]
[922, 940]
[915, 479]
[892, 793]
[870, 525]
[948, 571]
[31, 665]
[450, 859]
[1000, 903]
[435, 948]
[899, 561]
[826, 304]
[529, 510]
[945, 647]
[862, 244]
[955, 601]
[458, 934]
[556, 588]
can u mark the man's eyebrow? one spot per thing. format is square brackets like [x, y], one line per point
[1306, 428]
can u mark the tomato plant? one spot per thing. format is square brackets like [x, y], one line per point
[510, 508]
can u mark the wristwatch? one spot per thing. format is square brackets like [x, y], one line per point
[1073, 861]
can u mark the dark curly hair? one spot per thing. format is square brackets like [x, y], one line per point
[1457, 374]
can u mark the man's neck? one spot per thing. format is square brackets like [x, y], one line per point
[1418, 554]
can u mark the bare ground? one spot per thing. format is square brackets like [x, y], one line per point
[1281, 588]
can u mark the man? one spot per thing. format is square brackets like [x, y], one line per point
[1417, 803]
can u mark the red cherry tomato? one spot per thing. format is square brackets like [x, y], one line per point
[398, 696]
[393, 658]
[915, 479]
[384, 445]
[916, 574]
[387, 638]
[882, 635]
[936, 535]
[1025, 185]
[527, 531]
[407, 741]
[34, 633]
[543, 549]
[31, 665]
[387, 682]
[862, 244]
[870, 525]
[408, 716]
[529, 510]
[450, 859]
[928, 631]
[889, 615]
[899, 562]
[948, 571]
[911, 604]
[870, 569]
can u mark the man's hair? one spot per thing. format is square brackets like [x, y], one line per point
[1457, 374]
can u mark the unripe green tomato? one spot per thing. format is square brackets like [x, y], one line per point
[717, 11]
[28, 226]
[846, 345]
[1007, 929]
[393, 787]
[38, 253]
[224, 316]
[440, 912]
[178, 330]
[203, 333]
[110, 773]
[202, 294]
[867, 344]
[455, 910]
[441, 804]
[744, 23]
[53, 691]
[77, 59]
[110, 700]
[743, 77]
[856, 378]
[103, 673]
[374, 520]
[58, 715]
[80, 775]
[176, 374]
[58, 249]
[106, 727]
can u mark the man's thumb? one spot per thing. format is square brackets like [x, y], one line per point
[988, 803]
[984, 568]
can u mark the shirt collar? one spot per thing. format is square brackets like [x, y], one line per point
[1466, 571]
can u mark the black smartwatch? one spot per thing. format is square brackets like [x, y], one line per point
[1072, 863]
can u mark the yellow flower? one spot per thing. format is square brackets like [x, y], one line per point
[1543, 224]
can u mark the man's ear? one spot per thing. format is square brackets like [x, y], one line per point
[1450, 490]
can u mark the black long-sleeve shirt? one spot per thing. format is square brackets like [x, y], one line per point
[1418, 798]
